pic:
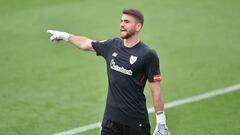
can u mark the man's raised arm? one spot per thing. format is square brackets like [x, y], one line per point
[81, 42]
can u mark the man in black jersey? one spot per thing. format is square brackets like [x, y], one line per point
[130, 63]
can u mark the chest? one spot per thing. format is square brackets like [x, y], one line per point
[126, 61]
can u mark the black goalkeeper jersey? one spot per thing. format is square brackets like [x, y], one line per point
[128, 69]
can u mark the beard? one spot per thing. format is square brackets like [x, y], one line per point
[127, 34]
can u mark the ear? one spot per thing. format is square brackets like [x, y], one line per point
[138, 26]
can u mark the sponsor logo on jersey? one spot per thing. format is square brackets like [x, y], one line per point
[119, 69]
[157, 78]
[114, 54]
[132, 59]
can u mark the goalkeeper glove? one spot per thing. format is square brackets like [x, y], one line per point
[161, 126]
[58, 35]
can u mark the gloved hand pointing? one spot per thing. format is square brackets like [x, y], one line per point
[59, 35]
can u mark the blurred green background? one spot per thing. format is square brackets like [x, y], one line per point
[50, 87]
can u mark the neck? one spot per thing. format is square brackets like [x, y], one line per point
[131, 41]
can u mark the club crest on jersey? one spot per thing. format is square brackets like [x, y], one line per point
[114, 54]
[132, 59]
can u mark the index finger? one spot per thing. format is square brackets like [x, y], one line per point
[50, 31]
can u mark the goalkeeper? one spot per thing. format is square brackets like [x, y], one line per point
[130, 63]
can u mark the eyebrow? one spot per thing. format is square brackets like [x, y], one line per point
[124, 19]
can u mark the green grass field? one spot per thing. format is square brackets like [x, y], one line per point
[47, 87]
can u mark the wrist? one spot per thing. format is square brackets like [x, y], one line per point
[161, 117]
[66, 36]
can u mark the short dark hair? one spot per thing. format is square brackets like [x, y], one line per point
[135, 13]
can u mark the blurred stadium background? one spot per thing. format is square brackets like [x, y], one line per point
[48, 87]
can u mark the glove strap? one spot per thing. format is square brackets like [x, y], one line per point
[161, 117]
[67, 36]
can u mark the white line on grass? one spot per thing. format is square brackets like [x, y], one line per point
[167, 106]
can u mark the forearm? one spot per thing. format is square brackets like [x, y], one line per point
[157, 97]
[158, 101]
[81, 42]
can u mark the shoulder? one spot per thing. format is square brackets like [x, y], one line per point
[117, 40]
[147, 51]
[107, 42]
[112, 41]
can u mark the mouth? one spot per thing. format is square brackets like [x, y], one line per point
[123, 30]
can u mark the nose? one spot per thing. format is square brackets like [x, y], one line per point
[122, 24]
